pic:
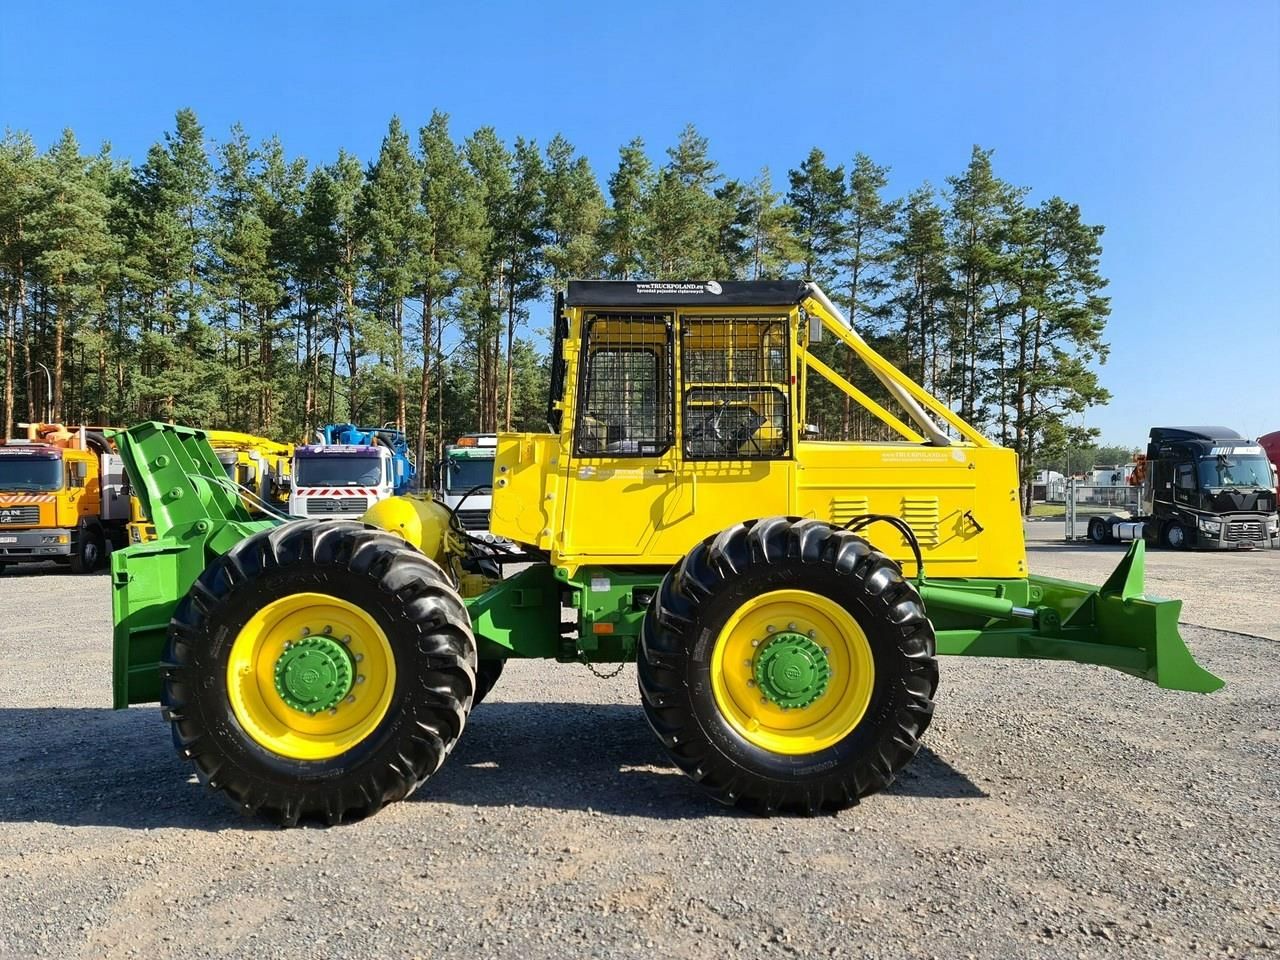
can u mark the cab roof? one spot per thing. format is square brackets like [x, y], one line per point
[331, 449]
[1175, 434]
[685, 293]
[44, 451]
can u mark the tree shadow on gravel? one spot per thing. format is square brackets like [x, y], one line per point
[118, 768]
[604, 757]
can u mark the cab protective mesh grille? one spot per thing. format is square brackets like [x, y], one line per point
[736, 383]
[626, 397]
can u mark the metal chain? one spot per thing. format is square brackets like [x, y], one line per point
[603, 676]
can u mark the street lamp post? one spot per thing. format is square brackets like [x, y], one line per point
[48, 387]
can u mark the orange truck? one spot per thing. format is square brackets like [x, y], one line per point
[63, 497]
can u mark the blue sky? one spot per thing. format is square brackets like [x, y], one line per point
[1161, 120]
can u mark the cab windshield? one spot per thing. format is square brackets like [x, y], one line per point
[338, 471]
[1250, 471]
[30, 473]
[465, 475]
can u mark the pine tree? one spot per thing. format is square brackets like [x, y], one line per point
[626, 222]
[168, 243]
[19, 199]
[69, 228]
[240, 278]
[389, 207]
[446, 230]
[483, 306]
[922, 289]
[574, 213]
[1056, 335]
[864, 260]
[771, 237]
[681, 211]
[818, 199]
[977, 222]
[522, 234]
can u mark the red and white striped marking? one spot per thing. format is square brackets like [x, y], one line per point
[337, 492]
[19, 499]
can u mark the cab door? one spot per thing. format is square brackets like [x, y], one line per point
[621, 477]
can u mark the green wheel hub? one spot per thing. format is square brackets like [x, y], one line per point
[314, 674]
[792, 671]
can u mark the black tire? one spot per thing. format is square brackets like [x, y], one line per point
[1098, 531]
[1175, 536]
[86, 556]
[487, 674]
[410, 599]
[696, 599]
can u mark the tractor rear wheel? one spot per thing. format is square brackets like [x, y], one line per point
[787, 665]
[318, 670]
[487, 674]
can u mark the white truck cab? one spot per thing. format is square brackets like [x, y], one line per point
[466, 478]
[339, 481]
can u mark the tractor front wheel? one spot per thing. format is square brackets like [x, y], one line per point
[318, 670]
[787, 665]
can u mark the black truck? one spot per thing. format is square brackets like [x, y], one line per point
[1203, 487]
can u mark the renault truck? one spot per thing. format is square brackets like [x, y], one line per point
[1205, 487]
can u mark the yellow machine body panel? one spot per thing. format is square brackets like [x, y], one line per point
[678, 422]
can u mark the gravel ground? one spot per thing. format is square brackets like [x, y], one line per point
[1056, 810]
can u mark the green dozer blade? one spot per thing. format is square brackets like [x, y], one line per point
[1116, 625]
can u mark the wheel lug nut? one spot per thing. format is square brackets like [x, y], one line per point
[826, 650]
[351, 699]
[328, 628]
[359, 657]
[332, 711]
[751, 683]
[812, 634]
[347, 638]
[770, 628]
[791, 627]
[360, 679]
[755, 643]
[306, 631]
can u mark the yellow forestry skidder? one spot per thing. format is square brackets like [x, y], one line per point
[784, 598]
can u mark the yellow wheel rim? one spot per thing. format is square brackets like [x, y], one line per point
[834, 713]
[252, 686]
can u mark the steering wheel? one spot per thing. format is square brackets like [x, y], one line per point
[709, 429]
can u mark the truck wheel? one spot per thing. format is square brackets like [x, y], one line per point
[1098, 532]
[318, 670]
[1175, 536]
[88, 552]
[786, 664]
[487, 675]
